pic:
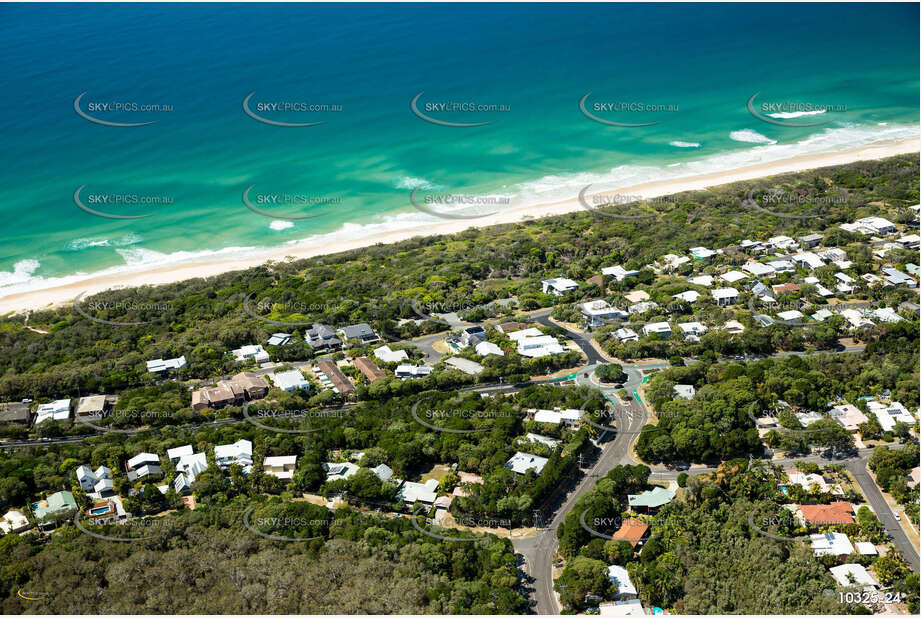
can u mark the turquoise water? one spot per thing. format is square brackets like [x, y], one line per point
[700, 62]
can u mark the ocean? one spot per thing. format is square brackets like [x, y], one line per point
[685, 72]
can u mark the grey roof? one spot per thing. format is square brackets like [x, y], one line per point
[357, 331]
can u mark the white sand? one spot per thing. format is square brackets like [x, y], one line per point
[66, 293]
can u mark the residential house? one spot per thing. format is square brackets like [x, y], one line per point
[596, 313]
[383, 472]
[472, 335]
[837, 513]
[855, 318]
[758, 269]
[250, 352]
[91, 408]
[175, 454]
[702, 280]
[339, 471]
[789, 316]
[784, 288]
[406, 370]
[890, 414]
[291, 380]
[633, 607]
[224, 393]
[143, 465]
[369, 368]
[725, 296]
[485, 348]
[520, 463]
[633, 531]
[362, 332]
[626, 334]
[337, 380]
[322, 338]
[831, 544]
[808, 260]
[782, 243]
[533, 343]
[55, 411]
[279, 339]
[808, 241]
[14, 522]
[870, 226]
[558, 286]
[650, 501]
[702, 253]
[657, 328]
[548, 442]
[642, 307]
[782, 266]
[848, 416]
[896, 277]
[462, 364]
[569, 418]
[386, 355]
[619, 272]
[886, 314]
[411, 492]
[159, 365]
[733, 276]
[684, 391]
[853, 575]
[692, 330]
[55, 506]
[690, 296]
[621, 579]
[18, 413]
[281, 467]
[733, 327]
[240, 452]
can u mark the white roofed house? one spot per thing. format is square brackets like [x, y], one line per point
[406, 370]
[279, 339]
[385, 354]
[808, 241]
[792, 314]
[852, 574]
[143, 465]
[291, 380]
[626, 334]
[520, 463]
[782, 266]
[759, 270]
[598, 312]
[642, 307]
[281, 467]
[159, 365]
[569, 418]
[886, 314]
[702, 253]
[464, 364]
[558, 286]
[86, 478]
[620, 578]
[855, 318]
[690, 296]
[896, 277]
[878, 224]
[890, 414]
[240, 452]
[657, 328]
[534, 344]
[485, 348]
[734, 327]
[188, 467]
[692, 330]
[845, 282]
[175, 454]
[725, 296]
[411, 492]
[733, 276]
[670, 261]
[250, 352]
[339, 471]
[619, 272]
[782, 243]
[684, 391]
[808, 260]
[702, 280]
[55, 411]
[831, 544]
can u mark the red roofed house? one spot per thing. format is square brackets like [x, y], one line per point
[633, 531]
[834, 514]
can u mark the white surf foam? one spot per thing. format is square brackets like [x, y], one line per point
[680, 144]
[751, 137]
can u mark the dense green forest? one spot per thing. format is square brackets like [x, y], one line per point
[204, 318]
[206, 562]
[703, 555]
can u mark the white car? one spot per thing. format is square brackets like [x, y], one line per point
[898, 517]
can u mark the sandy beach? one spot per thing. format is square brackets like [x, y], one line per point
[65, 293]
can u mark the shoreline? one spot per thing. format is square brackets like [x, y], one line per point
[62, 294]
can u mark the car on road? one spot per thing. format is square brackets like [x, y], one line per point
[683, 466]
[898, 517]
